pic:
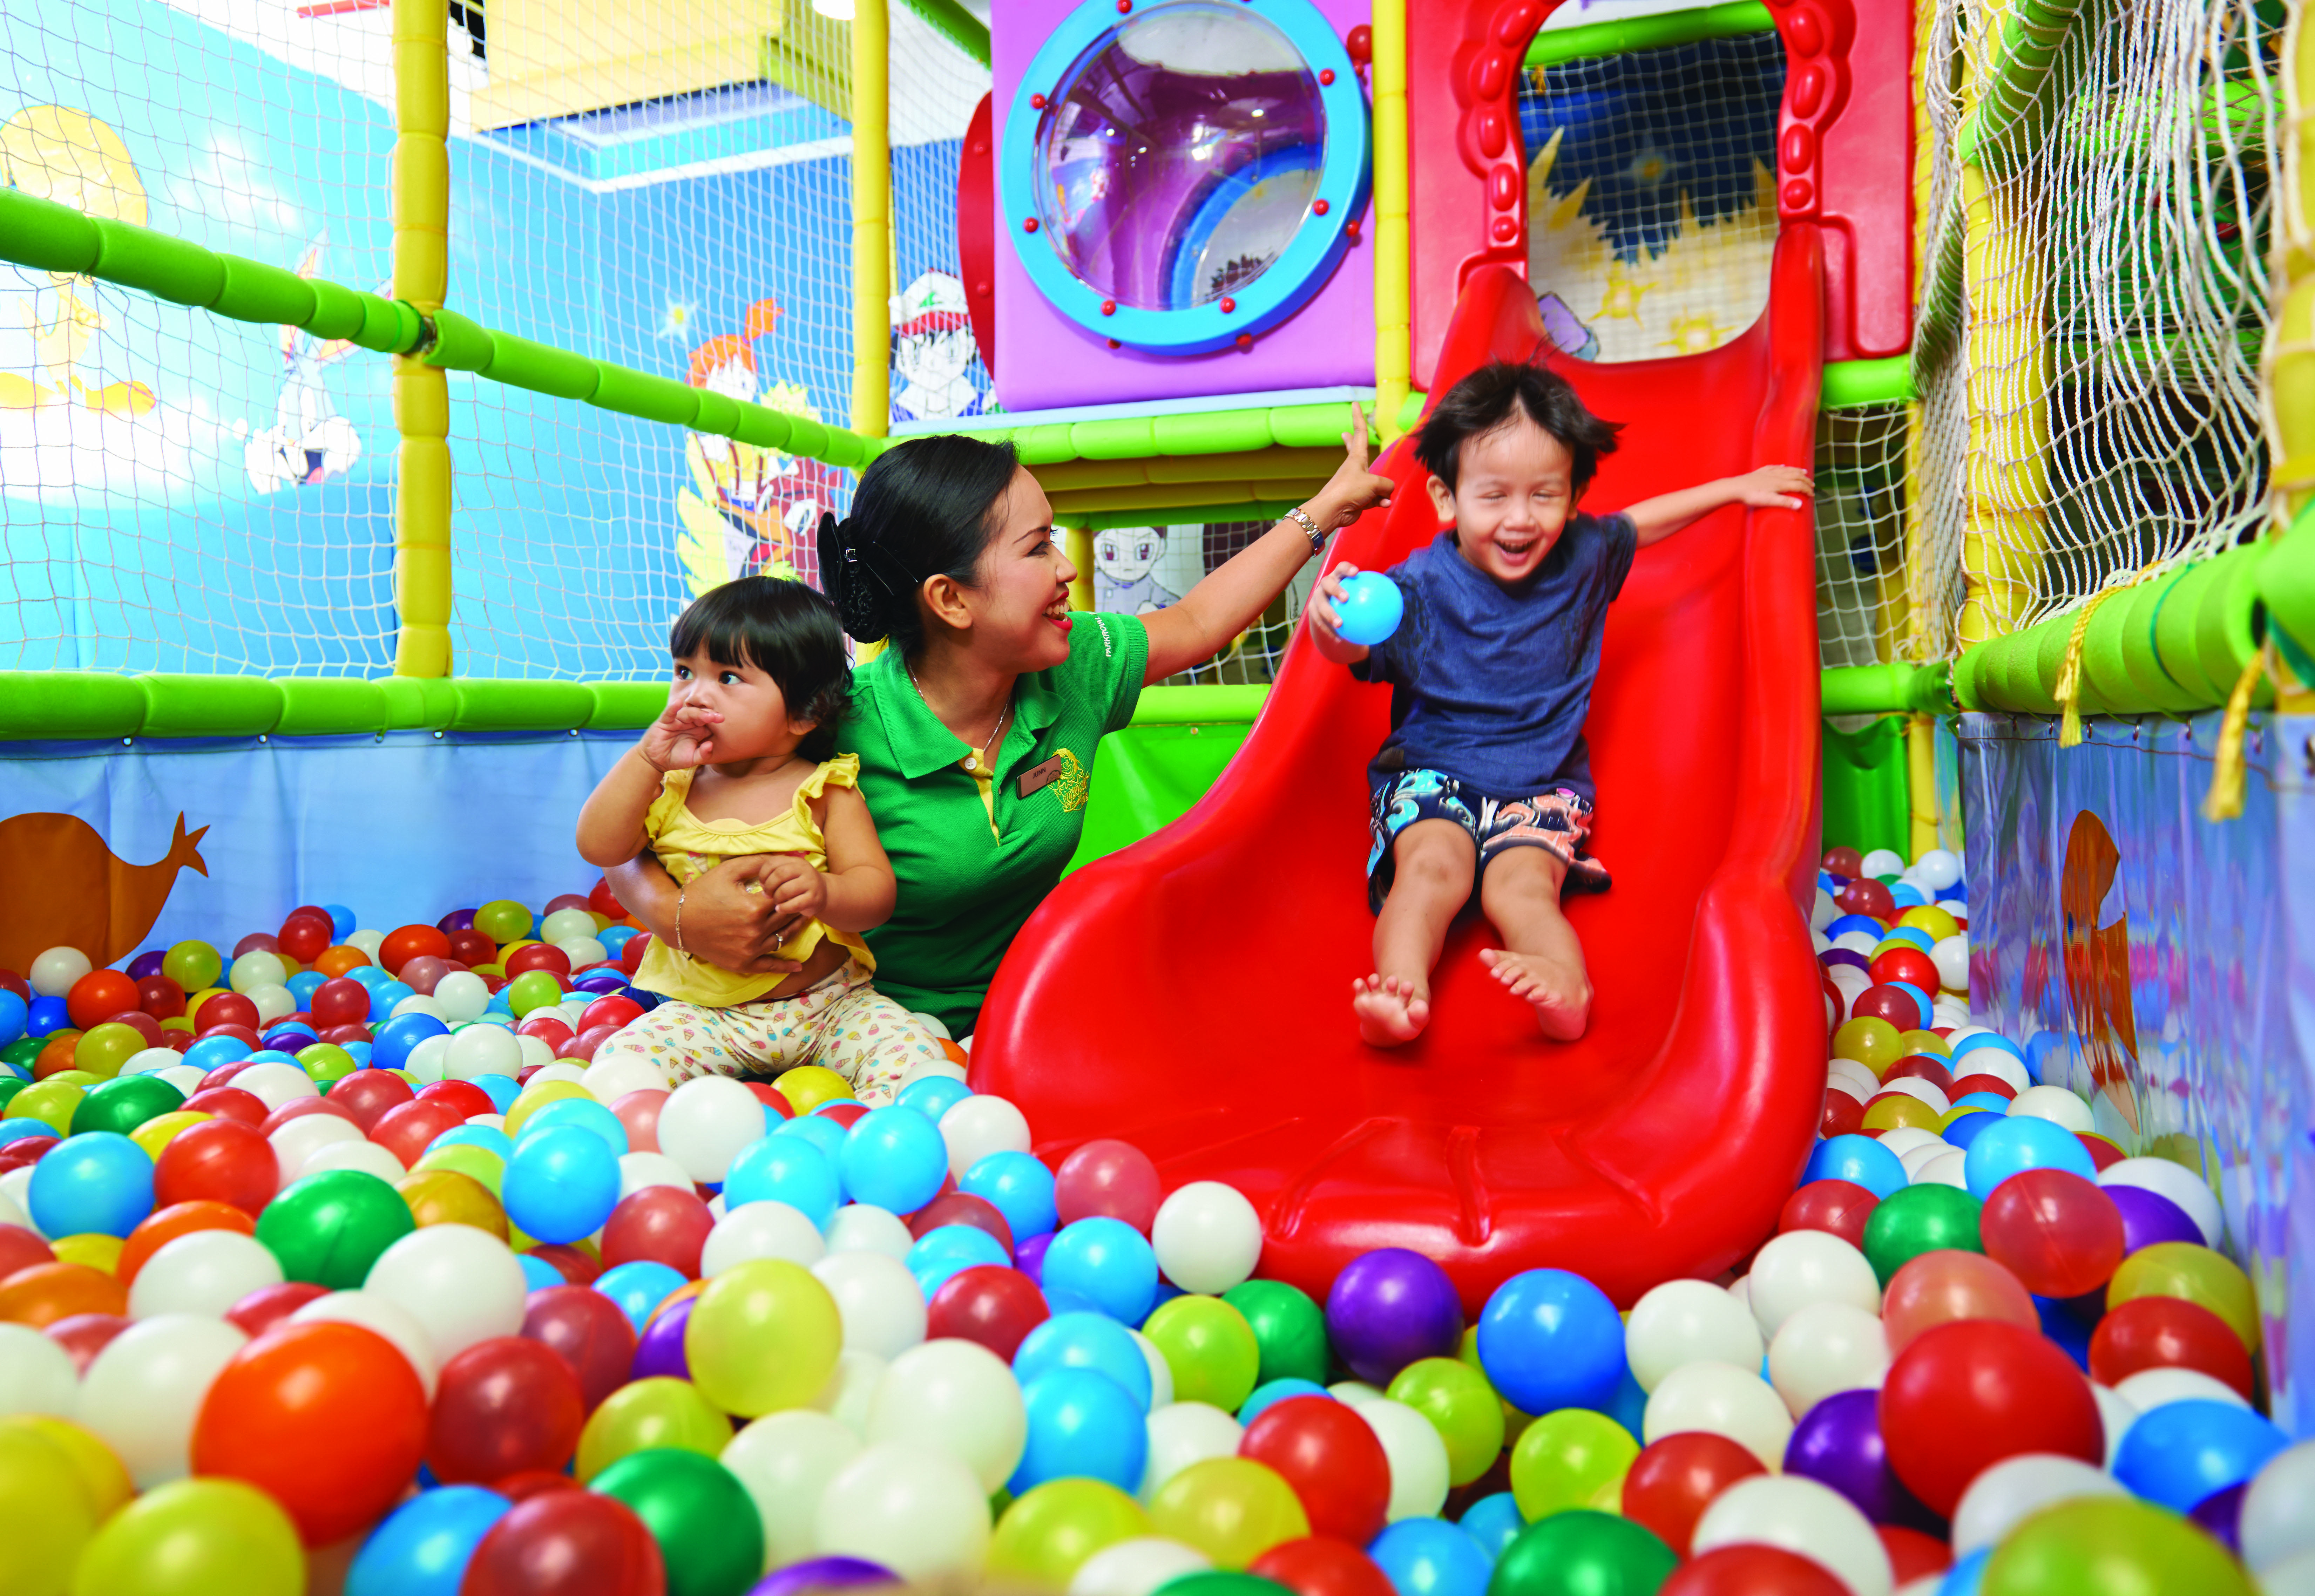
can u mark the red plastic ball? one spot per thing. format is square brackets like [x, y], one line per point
[1838, 1207]
[606, 902]
[268, 1306]
[462, 1097]
[340, 1001]
[1907, 963]
[257, 942]
[610, 1009]
[569, 1262]
[230, 1103]
[550, 1030]
[18, 1248]
[567, 1543]
[1843, 1115]
[961, 1207]
[503, 1407]
[161, 997]
[2102, 1151]
[304, 937]
[368, 1095]
[407, 1132]
[1866, 896]
[470, 948]
[582, 1046]
[342, 1035]
[1331, 1457]
[659, 1225]
[1901, 1008]
[1966, 1394]
[1925, 1067]
[2059, 1234]
[406, 943]
[143, 1023]
[1846, 862]
[84, 1334]
[1751, 1568]
[328, 1419]
[1912, 1553]
[1107, 1178]
[219, 1161]
[631, 957]
[846, 1114]
[2167, 1333]
[22, 1153]
[1674, 1480]
[297, 1108]
[226, 1008]
[990, 1304]
[1321, 1566]
[774, 1101]
[538, 955]
[588, 1331]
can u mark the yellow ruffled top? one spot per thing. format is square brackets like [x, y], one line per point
[687, 847]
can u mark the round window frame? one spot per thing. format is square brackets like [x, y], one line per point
[1301, 268]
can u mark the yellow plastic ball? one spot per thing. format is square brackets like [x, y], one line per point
[808, 1085]
[644, 1414]
[96, 1250]
[1047, 1536]
[51, 1102]
[208, 1537]
[763, 1335]
[1571, 1458]
[2198, 1274]
[178, 1023]
[1869, 1040]
[1925, 1042]
[1937, 922]
[193, 965]
[1209, 1348]
[1893, 1109]
[503, 919]
[161, 1130]
[1946, 1120]
[446, 1197]
[102, 1472]
[46, 1514]
[537, 1096]
[1461, 1406]
[1231, 1509]
[478, 1164]
[105, 1048]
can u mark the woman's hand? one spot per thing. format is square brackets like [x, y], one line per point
[683, 736]
[797, 893]
[720, 921]
[1353, 489]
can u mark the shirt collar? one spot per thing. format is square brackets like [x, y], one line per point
[922, 745]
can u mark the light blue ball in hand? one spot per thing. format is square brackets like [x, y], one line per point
[1370, 608]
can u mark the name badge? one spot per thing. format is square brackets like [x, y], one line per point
[1038, 777]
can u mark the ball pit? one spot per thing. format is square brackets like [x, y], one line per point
[336, 1250]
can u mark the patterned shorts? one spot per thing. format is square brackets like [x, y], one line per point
[842, 1023]
[1558, 822]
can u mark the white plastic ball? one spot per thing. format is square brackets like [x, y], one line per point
[2179, 1184]
[1208, 1237]
[943, 1067]
[2293, 1576]
[274, 1002]
[1136, 1568]
[461, 995]
[2115, 1416]
[274, 1084]
[1855, 942]
[1936, 869]
[1689, 1321]
[1161, 1372]
[2151, 1388]
[15, 1191]
[705, 1123]
[954, 1396]
[1917, 1159]
[144, 1391]
[786, 1460]
[1989, 1060]
[183, 1077]
[1883, 862]
[1824, 911]
[300, 1138]
[916, 1510]
[882, 1304]
[1354, 1393]
[863, 1228]
[419, 1002]
[582, 951]
[53, 972]
[1848, 1088]
[256, 969]
[2013, 1490]
[622, 1073]
[764, 1229]
[1949, 1168]
[2054, 1103]
[1856, 1073]
[1804, 1267]
[533, 1053]
[553, 1069]
[367, 1157]
[640, 1170]
[386, 1318]
[1802, 1516]
[1417, 1454]
[1733, 1402]
[564, 924]
[35, 1375]
[369, 940]
[2278, 1511]
[1182, 1433]
[480, 1050]
[851, 1389]
[1903, 1139]
[1951, 956]
[975, 1127]
[461, 1284]
[151, 1061]
[1926, 1090]
[1824, 1348]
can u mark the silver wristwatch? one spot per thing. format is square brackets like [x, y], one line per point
[1310, 527]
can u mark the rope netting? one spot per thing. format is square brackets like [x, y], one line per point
[2095, 296]
[1867, 609]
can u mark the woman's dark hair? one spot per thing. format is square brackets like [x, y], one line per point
[927, 507]
[786, 631]
[1491, 396]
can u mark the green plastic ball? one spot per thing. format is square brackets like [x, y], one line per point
[709, 1533]
[502, 920]
[1583, 1553]
[1924, 1219]
[1289, 1327]
[329, 1229]
[192, 965]
[23, 1051]
[1461, 1406]
[533, 989]
[2110, 1546]
[1221, 1581]
[326, 1063]
[10, 1085]
[124, 1103]
[1212, 1352]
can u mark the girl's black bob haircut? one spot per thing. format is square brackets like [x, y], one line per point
[785, 630]
[1491, 396]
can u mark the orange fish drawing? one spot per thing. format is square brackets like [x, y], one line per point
[61, 885]
[2098, 964]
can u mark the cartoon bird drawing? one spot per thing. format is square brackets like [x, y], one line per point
[2097, 963]
[61, 885]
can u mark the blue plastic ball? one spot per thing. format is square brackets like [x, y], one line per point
[1369, 609]
[502, 1089]
[392, 1044]
[1914, 935]
[1928, 1009]
[215, 1052]
[1845, 924]
[537, 1274]
[488, 1137]
[1432, 1557]
[1966, 1577]
[1628, 1405]
[1267, 1396]
[639, 1287]
[358, 1052]
[16, 1013]
[2021, 1142]
[1860, 1160]
[893, 1158]
[1107, 1262]
[785, 1169]
[302, 984]
[97, 1183]
[1549, 1339]
[424, 1548]
[947, 1250]
[47, 1016]
[1017, 1185]
[1082, 1339]
[343, 923]
[384, 996]
[561, 1183]
[1494, 1521]
[1904, 894]
[16, 1130]
[369, 977]
[615, 938]
[933, 1096]
[2180, 1452]
[821, 1132]
[578, 1111]
[1969, 1127]
[1082, 1423]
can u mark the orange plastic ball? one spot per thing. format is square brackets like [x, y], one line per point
[46, 1292]
[407, 942]
[56, 1055]
[335, 961]
[98, 996]
[1947, 1285]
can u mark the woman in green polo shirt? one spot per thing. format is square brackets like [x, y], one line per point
[977, 727]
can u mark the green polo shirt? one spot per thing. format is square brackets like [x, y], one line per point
[964, 889]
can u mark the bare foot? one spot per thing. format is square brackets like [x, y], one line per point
[1561, 998]
[1390, 1012]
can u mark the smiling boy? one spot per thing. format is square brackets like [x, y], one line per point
[1484, 783]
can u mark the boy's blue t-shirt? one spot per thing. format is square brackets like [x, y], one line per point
[1490, 685]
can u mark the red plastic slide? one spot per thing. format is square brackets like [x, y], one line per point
[1192, 994]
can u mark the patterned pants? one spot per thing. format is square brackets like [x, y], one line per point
[843, 1023]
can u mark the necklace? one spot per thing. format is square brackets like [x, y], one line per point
[977, 762]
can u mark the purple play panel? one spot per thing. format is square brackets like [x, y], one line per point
[1046, 361]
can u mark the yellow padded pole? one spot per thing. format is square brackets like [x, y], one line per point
[871, 221]
[1393, 268]
[421, 399]
[2288, 367]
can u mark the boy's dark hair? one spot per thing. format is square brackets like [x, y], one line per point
[1491, 396]
[927, 507]
[788, 632]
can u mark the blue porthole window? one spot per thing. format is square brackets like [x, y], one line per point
[1187, 175]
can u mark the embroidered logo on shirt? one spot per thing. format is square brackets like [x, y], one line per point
[1102, 626]
[1072, 783]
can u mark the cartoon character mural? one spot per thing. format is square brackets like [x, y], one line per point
[1125, 569]
[932, 348]
[309, 441]
[61, 885]
[749, 511]
[2096, 963]
[57, 152]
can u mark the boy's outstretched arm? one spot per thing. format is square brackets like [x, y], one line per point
[1771, 487]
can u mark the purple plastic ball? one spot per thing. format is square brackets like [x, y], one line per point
[2149, 1217]
[146, 964]
[1391, 1308]
[659, 1349]
[457, 919]
[1837, 1443]
[1029, 1258]
[823, 1574]
[2221, 1514]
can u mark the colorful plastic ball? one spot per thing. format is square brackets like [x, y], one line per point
[785, 1169]
[1318, 1565]
[192, 965]
[197, 1537]
[1966, 1394]
[1231, 1509]
[1289, 1327]
[764, 1335]
[1107, 1261]
[424, 1548]
[1332, 1459]
[2159, 1332]
[709, 1537]
[567, 1543]
[1944, 1287]
[1107, 1178]
[1208, 1236]
[1432, 1557]
[933, 1096]
[96, 1183]
[562, 1183]
[1081, 1424]
[1494, 1521]
[1548, 1339]
[2059, 1234]
[1050, 1532]
[1918, 1219]
[1210, 1350]
[15, 1014]
[1861, 1161]
[1571, 1458]
[98, 996]
[2183, 1451]
[1580, 1553]
[502, 920]
[893, 1158]
[646, 1413]
[1842, 1207]
[995, 1307]
[1368, 611]
[947, 1251]
[2149, 1218]
[1753, 1568]
[2110, 1547]
[920, 1512]
[1837, 1443]
[1674, 1479]
[2198, 1274]
[1682, 1322]
[956, 1397]
[120, 1105]
[2020, 1143]
[588, 1331]
[638, 1289]
[1084, 1340]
